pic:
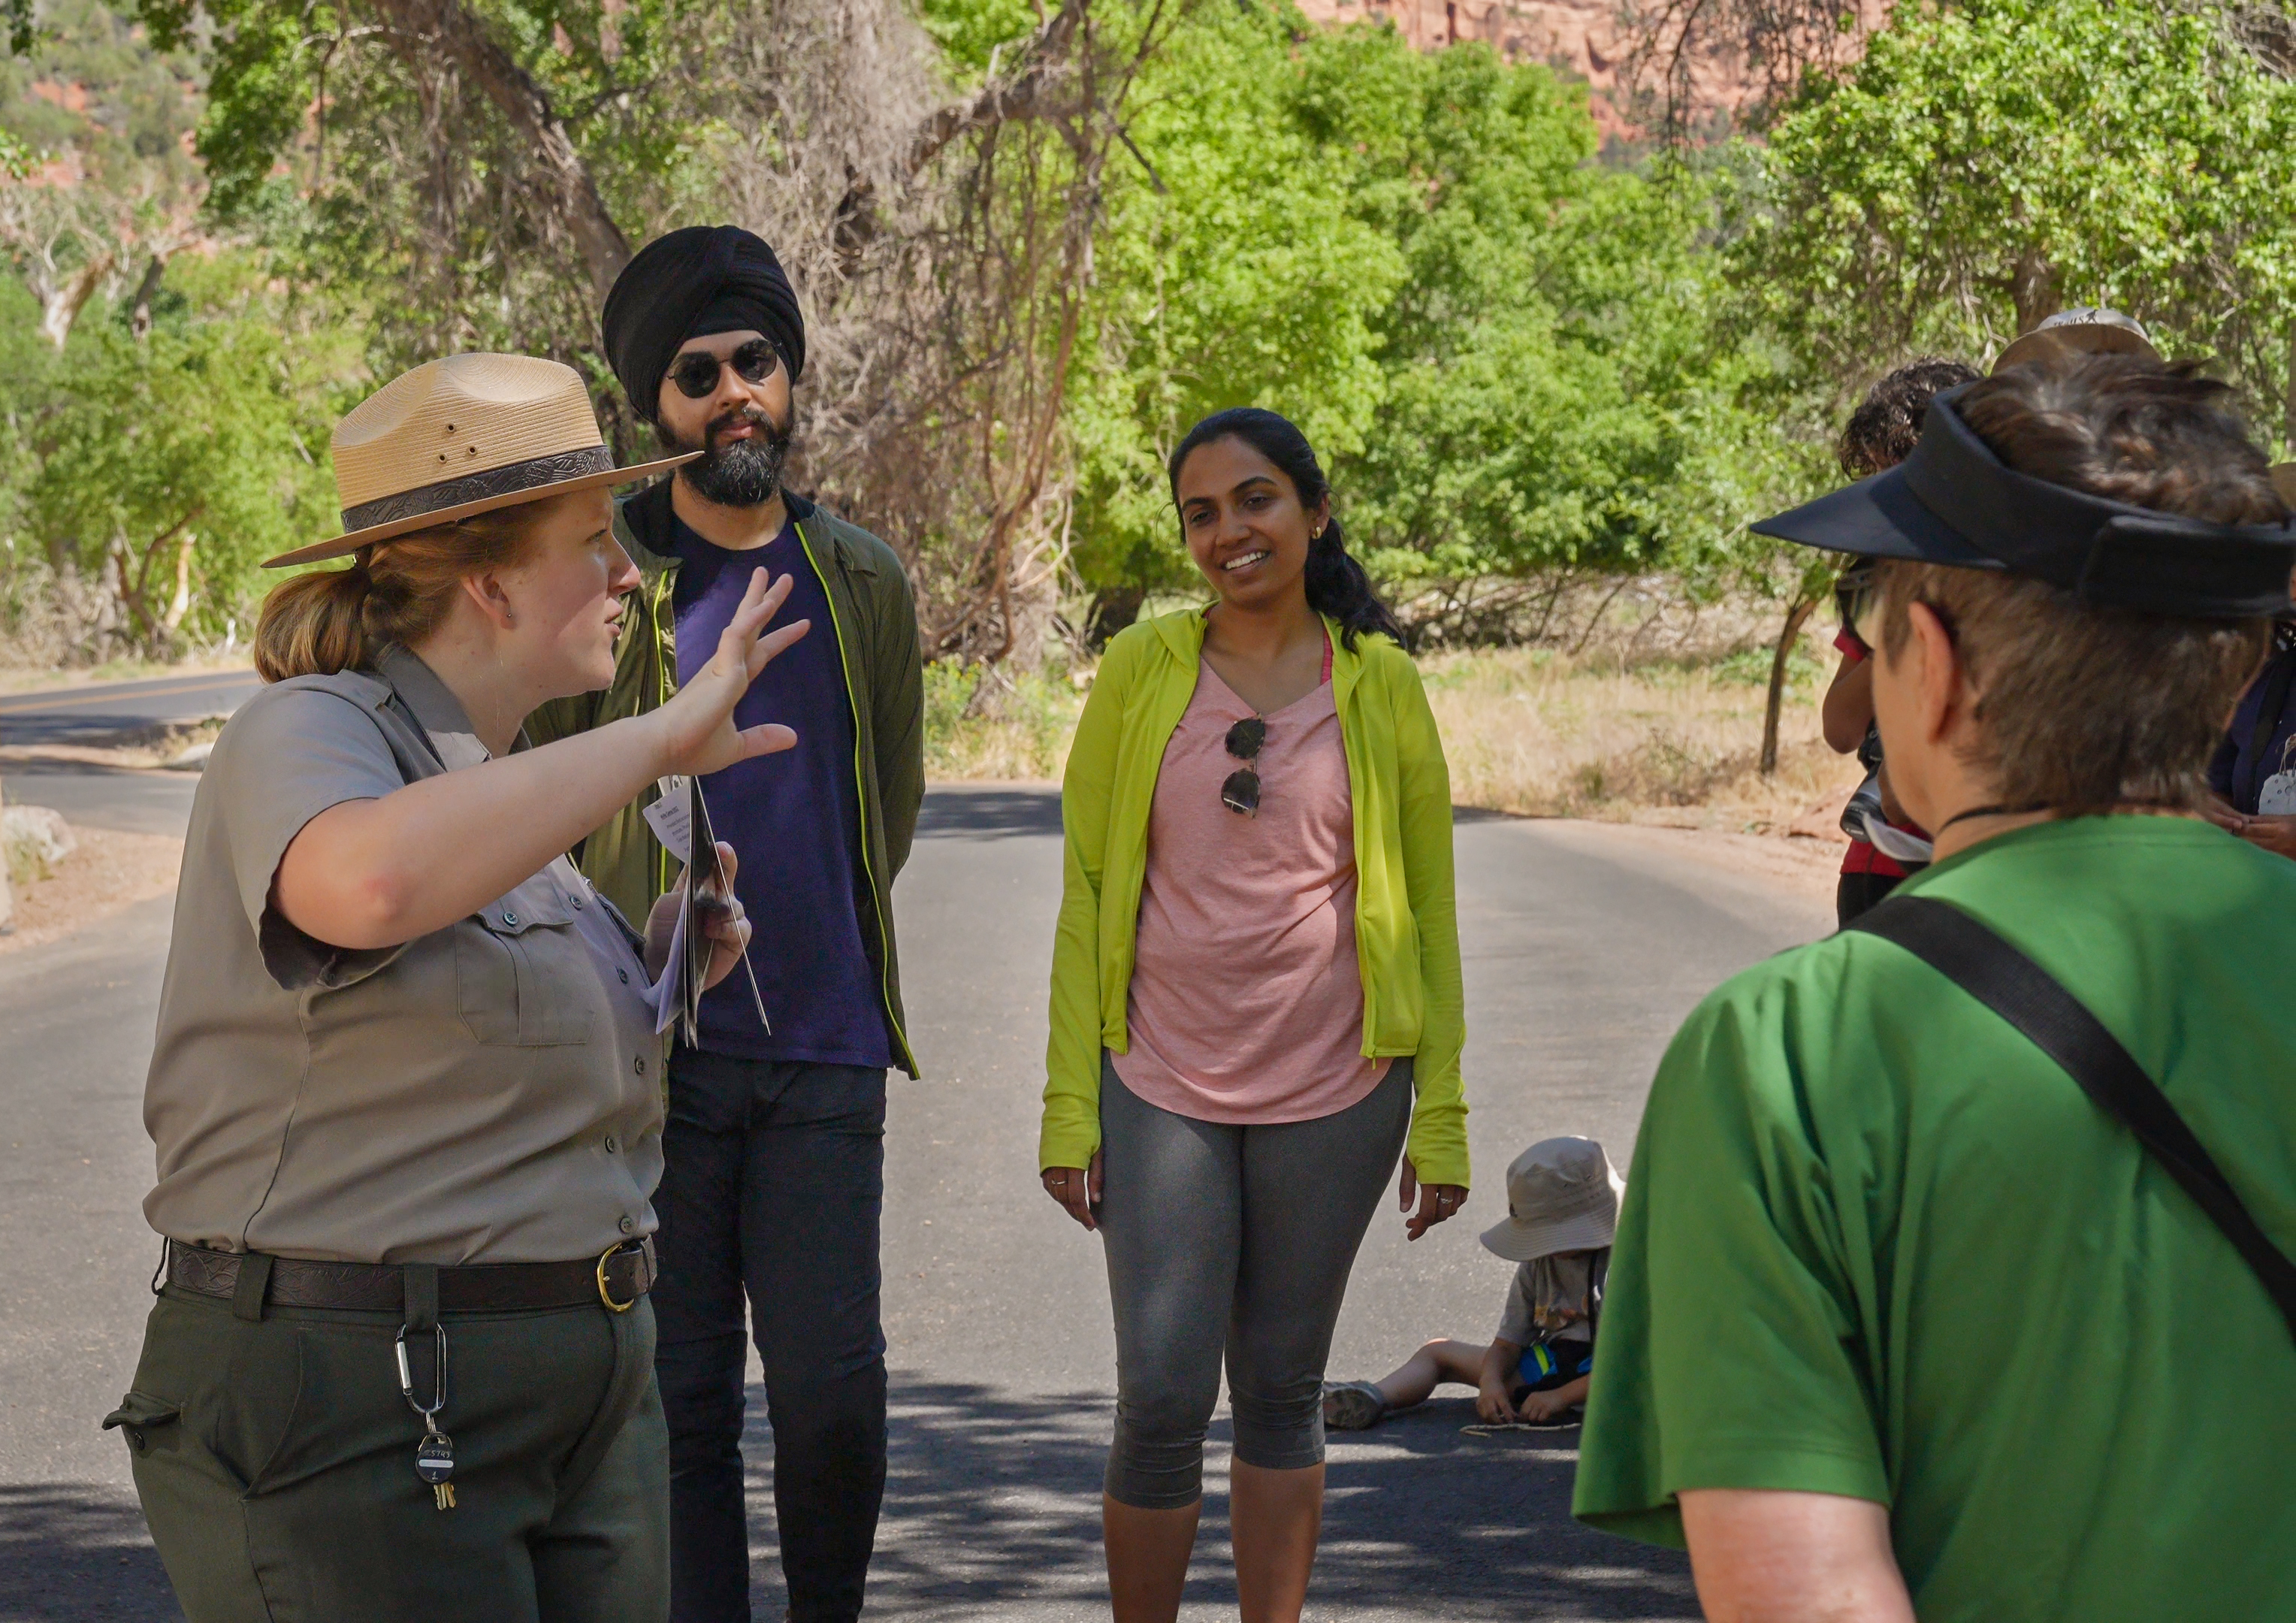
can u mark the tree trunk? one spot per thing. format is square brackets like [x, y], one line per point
[2288, 421]
[181, 602]
[61, 306]
[140, 324]
[1114, 607]
[2033, 288]
[1595, 619]
[1796, 616]
[456, 30]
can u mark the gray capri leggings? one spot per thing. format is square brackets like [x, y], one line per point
[1234, 1239]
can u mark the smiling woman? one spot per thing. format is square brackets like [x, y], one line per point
[1256, 1003]
[407, 1073]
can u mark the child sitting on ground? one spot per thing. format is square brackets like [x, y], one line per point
[1562, 1211]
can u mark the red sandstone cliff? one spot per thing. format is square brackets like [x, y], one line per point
[1580, 36]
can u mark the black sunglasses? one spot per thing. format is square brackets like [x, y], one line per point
[1241, 792]
[695, 372]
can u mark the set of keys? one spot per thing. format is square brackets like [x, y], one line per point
[434, 1456]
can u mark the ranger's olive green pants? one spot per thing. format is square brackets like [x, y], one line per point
[276, 1460]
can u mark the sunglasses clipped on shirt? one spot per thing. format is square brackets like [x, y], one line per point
[696, 371]
[1241, 792]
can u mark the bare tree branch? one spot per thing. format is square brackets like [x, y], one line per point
[1680, 51]
[1017, 95]
[458, 33]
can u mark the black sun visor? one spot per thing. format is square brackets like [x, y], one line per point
[1953, 502]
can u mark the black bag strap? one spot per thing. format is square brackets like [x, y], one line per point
[2270, 703]
[2028, 997]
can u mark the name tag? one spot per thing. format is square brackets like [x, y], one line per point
[2277, 798]
[672, 820]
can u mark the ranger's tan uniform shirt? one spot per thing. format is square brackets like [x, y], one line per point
[487, 1092]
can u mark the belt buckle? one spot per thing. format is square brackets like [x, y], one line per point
[606, 1295]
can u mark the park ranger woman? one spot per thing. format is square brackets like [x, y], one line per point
[406, 1091]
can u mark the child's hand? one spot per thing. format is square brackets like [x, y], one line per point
[1547, 1404]
[1491, 1402]
[1544, 1405]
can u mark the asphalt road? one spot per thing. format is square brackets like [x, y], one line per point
[74, 715]
[95, 796]
[1583, 949]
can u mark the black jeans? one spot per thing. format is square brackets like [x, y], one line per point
[774, 1181]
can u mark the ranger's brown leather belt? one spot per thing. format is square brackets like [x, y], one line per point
[617, 1278]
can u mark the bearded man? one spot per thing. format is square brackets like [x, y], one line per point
[775, 1141]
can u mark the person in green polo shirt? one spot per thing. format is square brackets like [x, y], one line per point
[1899, 1324]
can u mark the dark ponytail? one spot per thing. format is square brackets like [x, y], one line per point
[1337, 585]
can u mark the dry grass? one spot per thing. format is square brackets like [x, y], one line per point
[985, 723]
[1535, 731]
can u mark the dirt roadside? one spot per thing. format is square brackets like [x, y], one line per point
[106, 872]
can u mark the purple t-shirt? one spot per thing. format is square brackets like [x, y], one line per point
[794, 820]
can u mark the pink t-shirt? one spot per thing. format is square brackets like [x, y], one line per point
[1246, 1003]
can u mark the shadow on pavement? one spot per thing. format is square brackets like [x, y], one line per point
[989, 814]
[992, 1510]
[1478, 1526]
[69, 1550]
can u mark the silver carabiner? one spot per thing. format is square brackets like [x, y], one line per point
[407, 1378]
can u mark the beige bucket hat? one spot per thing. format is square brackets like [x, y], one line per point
[2091, 328]
[1562, 1196]
[466, 434]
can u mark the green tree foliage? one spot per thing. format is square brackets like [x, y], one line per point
[469, 157]
[1991, 163]
[1558, 395]
[163, 470]
[1036, 244]
[1233, 269]
[1504, 350]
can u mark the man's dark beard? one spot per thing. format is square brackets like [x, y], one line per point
[743, 472]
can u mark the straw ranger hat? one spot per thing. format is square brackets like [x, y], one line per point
[2088, 330]
[464, 435]
[1562, 1196]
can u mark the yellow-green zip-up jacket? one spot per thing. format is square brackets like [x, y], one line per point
[1407, 918]
[876, 630]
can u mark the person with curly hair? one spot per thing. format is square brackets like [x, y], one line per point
[1884, 845]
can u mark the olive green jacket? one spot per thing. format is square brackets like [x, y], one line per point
[1407, 916]
[876, 629]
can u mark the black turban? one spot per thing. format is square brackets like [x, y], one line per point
[691, 283]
